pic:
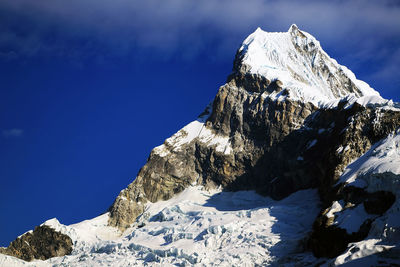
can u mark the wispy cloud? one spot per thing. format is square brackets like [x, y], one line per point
[101, 29]
[11, 133]
[167, 25]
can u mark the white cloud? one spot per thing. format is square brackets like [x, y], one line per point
[10, 133]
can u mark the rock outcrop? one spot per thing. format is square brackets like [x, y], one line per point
[42, 243]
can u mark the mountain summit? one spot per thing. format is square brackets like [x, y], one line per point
[296, 59]
[294, 162]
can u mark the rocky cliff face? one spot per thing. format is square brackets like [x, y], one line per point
[288, 118]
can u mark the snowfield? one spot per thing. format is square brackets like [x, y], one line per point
[198, 228]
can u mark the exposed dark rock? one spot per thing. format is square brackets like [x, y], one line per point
[379, 202]
[374, 203]
[43, 243]
[330, 241]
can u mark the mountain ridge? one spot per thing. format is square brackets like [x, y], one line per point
[241, 86]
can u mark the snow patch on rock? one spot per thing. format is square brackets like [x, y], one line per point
[196, 130]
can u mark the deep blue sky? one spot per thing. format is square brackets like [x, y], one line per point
[88, 88]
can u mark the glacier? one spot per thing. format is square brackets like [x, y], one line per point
[198, 228]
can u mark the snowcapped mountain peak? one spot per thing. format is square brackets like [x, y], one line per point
[329, 185]
[305, 70]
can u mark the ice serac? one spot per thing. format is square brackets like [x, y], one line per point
[288, 118]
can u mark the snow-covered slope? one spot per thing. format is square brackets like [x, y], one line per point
[196, 227]
[296, 59]
[383, 157]
[195, 130]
